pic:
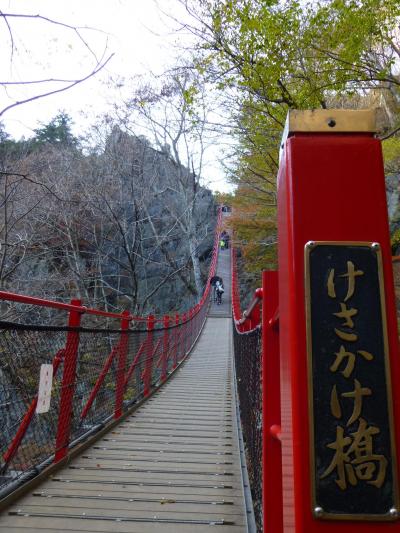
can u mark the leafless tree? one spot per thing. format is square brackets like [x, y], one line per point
[46, 86]
[174, 114]
[104, 226]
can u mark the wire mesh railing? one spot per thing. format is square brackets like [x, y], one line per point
[94, 376]
[247, 349]
[247, 345]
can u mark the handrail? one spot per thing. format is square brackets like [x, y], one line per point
[104, 372]
[32, 300]
[252, 309]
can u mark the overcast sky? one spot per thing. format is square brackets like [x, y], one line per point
[134, 30]
[137, 32]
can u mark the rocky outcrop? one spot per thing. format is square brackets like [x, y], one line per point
[128, 227]
[176, 220]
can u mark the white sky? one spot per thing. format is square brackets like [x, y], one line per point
[136, 31]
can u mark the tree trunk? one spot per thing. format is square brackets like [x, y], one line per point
[196, 267]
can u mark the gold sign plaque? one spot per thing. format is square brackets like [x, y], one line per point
[352, 438]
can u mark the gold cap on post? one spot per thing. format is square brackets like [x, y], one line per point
[330, 121]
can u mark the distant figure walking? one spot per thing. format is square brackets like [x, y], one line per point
[224, 240]
[219, 289]
[213, 282]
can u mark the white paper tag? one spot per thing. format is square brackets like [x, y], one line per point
[45, 386]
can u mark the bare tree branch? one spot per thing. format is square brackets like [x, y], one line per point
[76, 82]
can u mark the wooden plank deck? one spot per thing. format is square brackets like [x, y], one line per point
[224, 270]
[172, 466]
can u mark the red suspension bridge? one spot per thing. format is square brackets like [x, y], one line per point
[281, 418]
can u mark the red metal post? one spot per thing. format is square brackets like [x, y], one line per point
[188, 332]
[68, 384]
[165, 356]
[183, 339]
[13, 448]
[197, 320]
[122, 354]
[194, 323]
[255, 316]
[191, 329]
[149, 356]
[99, 381]
[134, 364]
[271, 407]
[176, 339]
[331, 187]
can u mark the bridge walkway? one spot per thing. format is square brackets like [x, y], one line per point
[224, 271]
[172, 466]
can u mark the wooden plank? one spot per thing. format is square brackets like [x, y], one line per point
[71, 509]
[36, 525]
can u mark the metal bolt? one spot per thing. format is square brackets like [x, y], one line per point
[394, 513]
[375, 246]
[331, 123]
[318, 512]
[310, 245]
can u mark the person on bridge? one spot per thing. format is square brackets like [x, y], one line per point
[213, 282]
[219, 289]
[224, 240]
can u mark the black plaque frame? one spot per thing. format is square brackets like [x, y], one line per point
[362, 501]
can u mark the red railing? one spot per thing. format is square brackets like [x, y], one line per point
[247, 343]
[98, 374]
